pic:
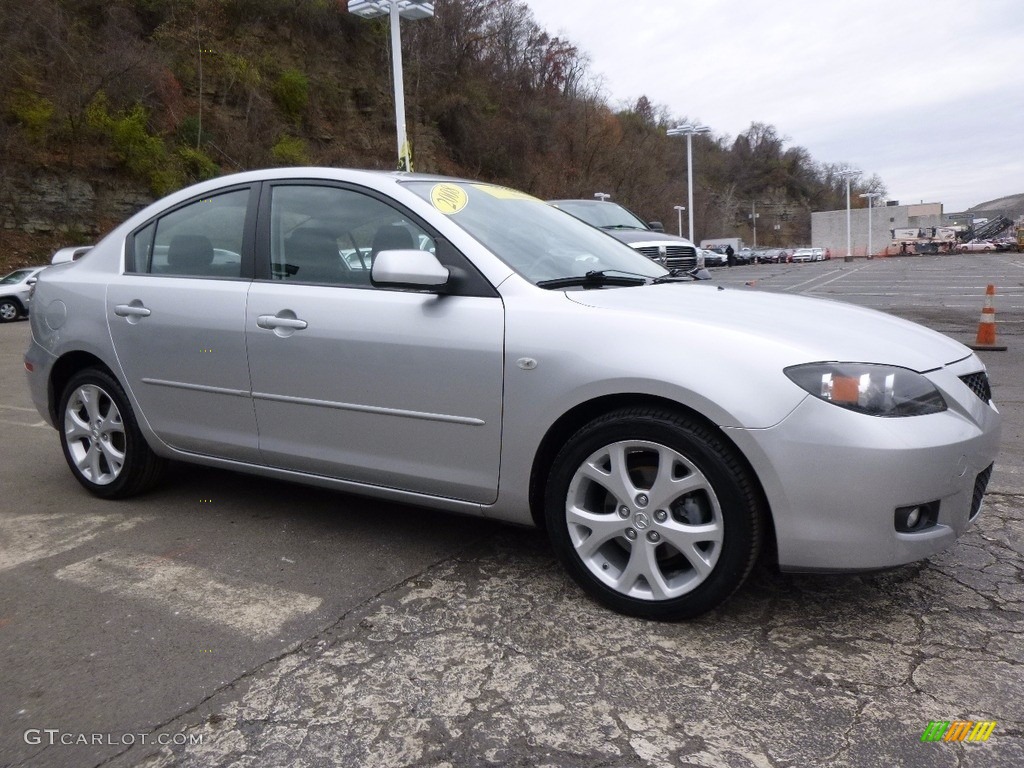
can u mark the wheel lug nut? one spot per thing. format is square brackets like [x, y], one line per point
[641, 500]
[630, 534]
[653, 536]
[661, 515]
[623, 512]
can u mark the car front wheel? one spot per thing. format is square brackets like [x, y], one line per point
[100, 436]
[653, 514]
[9, 310]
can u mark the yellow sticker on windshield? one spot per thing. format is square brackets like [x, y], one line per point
[504, 193]
[448, 198]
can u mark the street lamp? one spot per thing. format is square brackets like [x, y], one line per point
[871, 199]
[602, 196]
[848, 173]
[680, 209]
[753, 219]
[689, 130]
[406, 9]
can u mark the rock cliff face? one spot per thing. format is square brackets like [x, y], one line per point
[47, 202]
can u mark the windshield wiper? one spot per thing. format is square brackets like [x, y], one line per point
[595, 279]
[619, 226]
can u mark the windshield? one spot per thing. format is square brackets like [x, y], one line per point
[537, 241]
[601, 214]
[16, 276]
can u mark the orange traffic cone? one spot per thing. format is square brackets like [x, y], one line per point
[987, 325]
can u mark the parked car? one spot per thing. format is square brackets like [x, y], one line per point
[16, 293]
[713, 258]
[802, 255]
[625, 226]
[495, 356]
[977, 246]
[819, 254]
[71, 253]
[771, 255]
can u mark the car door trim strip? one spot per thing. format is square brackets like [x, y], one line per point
[197, 387]
[465, 420]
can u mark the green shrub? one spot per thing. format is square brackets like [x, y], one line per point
[144, 155]
[34, 112]
[198, 166]
[290, 150]
[291, 92]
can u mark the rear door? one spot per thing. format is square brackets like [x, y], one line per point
[176, 318]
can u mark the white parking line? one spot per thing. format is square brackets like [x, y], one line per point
[25, 538]
[207, 596]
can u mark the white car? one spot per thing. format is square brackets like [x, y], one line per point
[16, 292]
[803, 255]
[494, 356]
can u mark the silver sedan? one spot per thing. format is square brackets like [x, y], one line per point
[464, 346]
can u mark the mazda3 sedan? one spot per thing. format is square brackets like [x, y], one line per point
[464, 346]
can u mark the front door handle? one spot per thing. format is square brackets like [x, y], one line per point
[131, 310]
[270, 322]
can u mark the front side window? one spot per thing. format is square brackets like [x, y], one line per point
[330, 236]
[200, 239]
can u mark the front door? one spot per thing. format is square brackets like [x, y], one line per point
[385, 387]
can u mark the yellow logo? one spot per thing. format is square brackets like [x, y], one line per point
[448, 198]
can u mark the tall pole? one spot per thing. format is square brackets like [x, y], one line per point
[404, 159]
[849, 240]
[848, 174]
[689, 183]
[688, 130]
[396, 10]
[753, 218]
[680, 209]
[871, 199]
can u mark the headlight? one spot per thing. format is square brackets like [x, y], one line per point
[877, 390]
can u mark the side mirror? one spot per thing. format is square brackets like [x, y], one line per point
[657, 226]
[408, 269]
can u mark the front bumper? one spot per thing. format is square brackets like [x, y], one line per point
[834, 478]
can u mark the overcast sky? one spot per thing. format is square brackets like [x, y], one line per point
[928, 94]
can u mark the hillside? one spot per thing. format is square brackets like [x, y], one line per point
[106, 105]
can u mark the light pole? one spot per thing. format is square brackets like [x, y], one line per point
[680, 209]
[753, 219]
[848, 173]
[689, 130]
[602, 196]
[406, 9]
[871, 199]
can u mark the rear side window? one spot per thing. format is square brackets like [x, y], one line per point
[200, 239]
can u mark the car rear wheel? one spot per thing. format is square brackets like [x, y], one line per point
[653, 514]
[100, 436]
[9, 310]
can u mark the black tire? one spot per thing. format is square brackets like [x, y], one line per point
[711, 494]
[10, 310]
[100, 436]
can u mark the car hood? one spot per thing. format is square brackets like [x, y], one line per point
[800, 329]
[631, 236]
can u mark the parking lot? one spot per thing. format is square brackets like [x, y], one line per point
[228, 620]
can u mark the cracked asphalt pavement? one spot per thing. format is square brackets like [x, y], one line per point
[380, 635]
[496, 660]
